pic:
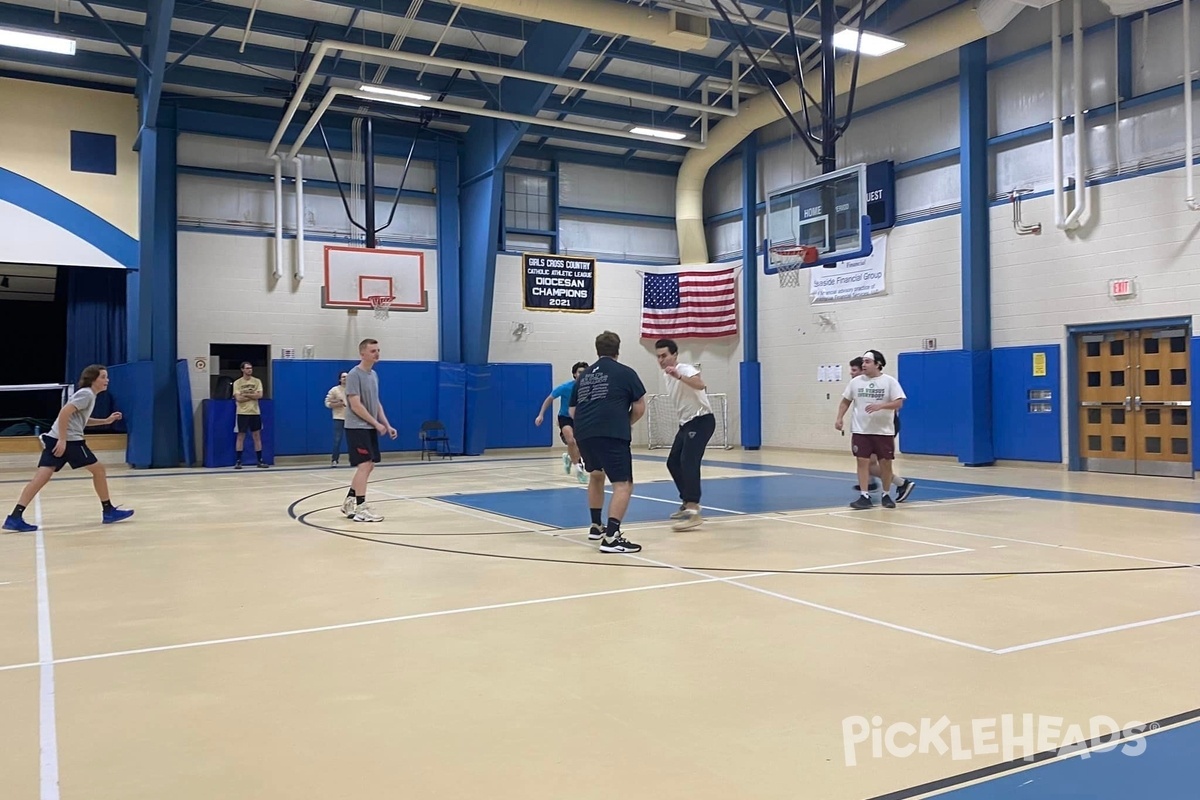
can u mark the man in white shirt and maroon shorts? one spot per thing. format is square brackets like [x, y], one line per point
[875, 398]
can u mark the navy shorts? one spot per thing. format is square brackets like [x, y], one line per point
[363, 444]
[77, 454]
[611, 455]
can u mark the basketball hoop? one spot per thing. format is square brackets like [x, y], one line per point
[382, 303]
[789, 260]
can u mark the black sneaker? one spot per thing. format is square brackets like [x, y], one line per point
[263, 465]
[595, 532]
[862, 502]
[905, 490]
[237, 465]
[619, 544]
[888, 502]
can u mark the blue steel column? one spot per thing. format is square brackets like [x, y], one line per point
[448, 236]
[151, 302]
[487, 146]
[975, 446]
[751, 369]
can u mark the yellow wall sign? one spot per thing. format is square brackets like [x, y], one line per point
[1039, 365]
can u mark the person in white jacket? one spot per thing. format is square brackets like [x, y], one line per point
[335, 401]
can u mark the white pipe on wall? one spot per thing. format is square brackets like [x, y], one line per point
[1189, 145]
[278, 268]
[1056, 126]
[299, 260]
[1079, 136]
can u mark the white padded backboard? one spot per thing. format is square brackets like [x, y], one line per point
[353, 274]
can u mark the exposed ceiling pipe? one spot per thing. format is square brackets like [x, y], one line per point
[1062, 220]
[388, 55]
[336, 92]
[646, 24]
[943, 33]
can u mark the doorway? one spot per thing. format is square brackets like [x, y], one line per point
[1134, 408]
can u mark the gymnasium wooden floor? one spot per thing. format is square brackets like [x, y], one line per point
[238, 638]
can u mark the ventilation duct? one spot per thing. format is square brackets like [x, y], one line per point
[1120, 8]
[943, 33]
[676, 32]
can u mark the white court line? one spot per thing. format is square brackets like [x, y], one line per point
[46, 707]
[346, 626]
[1086, 634]
[733, 581]
[1035, 543]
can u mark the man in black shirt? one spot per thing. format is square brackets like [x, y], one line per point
[606, 402]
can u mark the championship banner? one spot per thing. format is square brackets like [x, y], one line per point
[850, 280]
[559, 283]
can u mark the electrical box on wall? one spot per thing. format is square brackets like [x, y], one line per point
[929, 344]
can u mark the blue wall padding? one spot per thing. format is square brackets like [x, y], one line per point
[1194, 376]
[452, 402]
[478, 411]
[187, 427]
[220, 434]
[516, 393]
[127, 382]
[751, 404]
[1019, 433]
[933, 421]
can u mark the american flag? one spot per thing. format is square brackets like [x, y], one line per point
[698, 304]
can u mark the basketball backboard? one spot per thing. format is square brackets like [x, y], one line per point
[355, 274]
[828, 212]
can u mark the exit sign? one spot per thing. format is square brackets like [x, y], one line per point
[1121, 287]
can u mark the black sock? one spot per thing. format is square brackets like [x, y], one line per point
[18, 510]
[350, 493]
[107, 505]
[258, 455]
[614, 528]
[596, 516]
[360, 498]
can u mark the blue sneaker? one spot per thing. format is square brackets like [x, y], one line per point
[116, 515]
[17, 524]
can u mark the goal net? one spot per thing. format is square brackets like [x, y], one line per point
[662, 420]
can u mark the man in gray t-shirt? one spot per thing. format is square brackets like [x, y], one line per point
[71, 448]
[365, 422]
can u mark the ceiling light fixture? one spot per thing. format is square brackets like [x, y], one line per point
[658, 133]
[873, 44]
[36, 41]
[394, 92]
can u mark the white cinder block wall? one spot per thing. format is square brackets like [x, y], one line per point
[564, 338]
[227, 294]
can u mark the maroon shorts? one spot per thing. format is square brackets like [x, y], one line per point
[865, 445]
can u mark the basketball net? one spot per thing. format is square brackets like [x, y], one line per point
[382, 303]
[788, 262]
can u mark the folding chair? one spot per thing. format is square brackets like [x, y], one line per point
[434, 440]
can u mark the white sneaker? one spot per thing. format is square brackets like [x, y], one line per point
[567, 463]
[348, 507]
[364, 514]
[691, 519]
[581, 474]
[680, 513]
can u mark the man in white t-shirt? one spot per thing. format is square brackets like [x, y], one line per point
[689, 394]
[876, 398]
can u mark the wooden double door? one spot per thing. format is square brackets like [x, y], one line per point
[1135, 413]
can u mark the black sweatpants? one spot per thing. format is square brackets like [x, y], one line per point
[686, 454]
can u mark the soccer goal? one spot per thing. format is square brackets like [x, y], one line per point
[663, 421]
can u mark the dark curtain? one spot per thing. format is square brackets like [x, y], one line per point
[95, 317]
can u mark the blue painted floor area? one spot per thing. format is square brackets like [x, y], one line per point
[1166, 769]
[753, 494]
[797, 490]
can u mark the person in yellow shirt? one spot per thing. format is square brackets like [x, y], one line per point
[247, 391]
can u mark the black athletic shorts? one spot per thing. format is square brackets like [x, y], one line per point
[77, 454]
[248, 423]
[611, 455]
[363, 444]
[563, 424]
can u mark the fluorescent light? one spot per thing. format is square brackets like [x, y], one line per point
[657, 133]
[394, 92]
[36, 41]
[873, 44]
